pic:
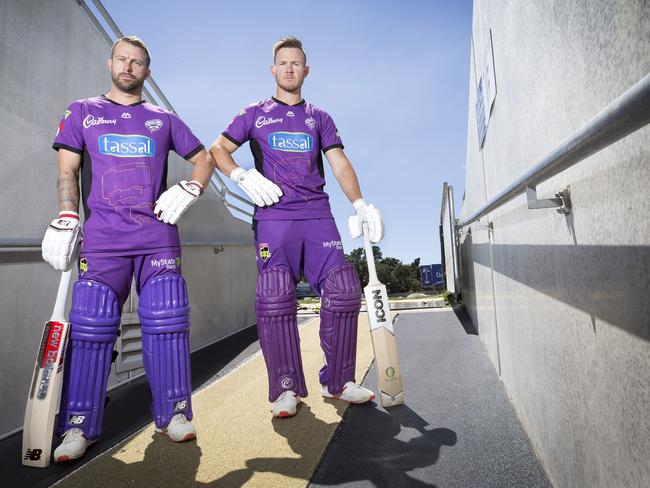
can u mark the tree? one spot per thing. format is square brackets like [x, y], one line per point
[397, 276]
[358, 259]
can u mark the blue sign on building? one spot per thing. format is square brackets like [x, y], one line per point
[431, 275]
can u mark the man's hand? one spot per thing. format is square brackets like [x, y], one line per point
[260, 189]
[61, 240]
[173, 203]
[366, 214]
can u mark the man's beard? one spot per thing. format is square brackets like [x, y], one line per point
[292, 86]
[133, 85]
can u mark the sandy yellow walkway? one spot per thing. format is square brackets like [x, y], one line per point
[239, 444]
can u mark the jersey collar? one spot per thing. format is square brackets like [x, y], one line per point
[115, 103]
[301, 102]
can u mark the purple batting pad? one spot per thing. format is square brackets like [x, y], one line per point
[278, 331]
[95, 320]
[340, 302]
[165, 320]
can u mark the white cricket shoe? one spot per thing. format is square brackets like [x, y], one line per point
[74, 446]
[179, 429]
[286, 404]
[351, 393]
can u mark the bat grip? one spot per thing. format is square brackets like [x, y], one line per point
[370, 257]
[62, 297]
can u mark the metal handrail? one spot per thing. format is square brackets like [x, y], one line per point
[220, 187]
[626, 114]
[217, 183]
[35, 244]
[21, 243]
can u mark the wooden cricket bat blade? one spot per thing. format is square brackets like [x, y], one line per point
[384, 343]
[45, 388]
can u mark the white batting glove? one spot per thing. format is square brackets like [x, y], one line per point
[174, 202]
[61, 240]
[366, 214]
[260, 189]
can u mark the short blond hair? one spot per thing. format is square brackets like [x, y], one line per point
[289, 41]
[134, 41]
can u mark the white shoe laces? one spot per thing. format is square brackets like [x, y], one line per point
[179, 418]
[74, 435]
[285, 394]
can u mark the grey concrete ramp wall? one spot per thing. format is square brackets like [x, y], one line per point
[50, 55]
[561, 302]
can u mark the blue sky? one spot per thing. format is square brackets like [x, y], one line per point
[393, 75]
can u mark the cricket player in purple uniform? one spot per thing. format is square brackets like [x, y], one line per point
[295, 230]
[118, 144]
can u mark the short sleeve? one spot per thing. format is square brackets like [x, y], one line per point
[69, 134]
[329, 134]
[184, 142]
[239, 130]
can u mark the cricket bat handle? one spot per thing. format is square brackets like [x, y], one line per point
[58, 314]
[370, 257]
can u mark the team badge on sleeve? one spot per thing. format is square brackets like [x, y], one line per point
[65, 115]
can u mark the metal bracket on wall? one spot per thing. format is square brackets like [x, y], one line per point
[489, 226]
[562, 200]
[461, 232]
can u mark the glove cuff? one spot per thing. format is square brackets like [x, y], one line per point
[68, 214]
[358, 204]
[198, 185]
[236, 173]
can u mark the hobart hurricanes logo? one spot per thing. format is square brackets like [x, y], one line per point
[126, 146]
[153, 124]
[291, 141]
[378, 305]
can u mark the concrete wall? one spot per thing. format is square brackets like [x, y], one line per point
[50, 55]
[561, 302]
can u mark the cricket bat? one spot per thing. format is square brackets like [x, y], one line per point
[389, 375]
[45, 389]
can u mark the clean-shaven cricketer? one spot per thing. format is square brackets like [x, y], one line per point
[117, 146]
[295, 230]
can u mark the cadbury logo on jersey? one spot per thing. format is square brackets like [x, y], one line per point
[132, 146]
[262, 121]
[291, 141]
[90, 120]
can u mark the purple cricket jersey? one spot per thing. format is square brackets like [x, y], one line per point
[286, 142]
[124, 151]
